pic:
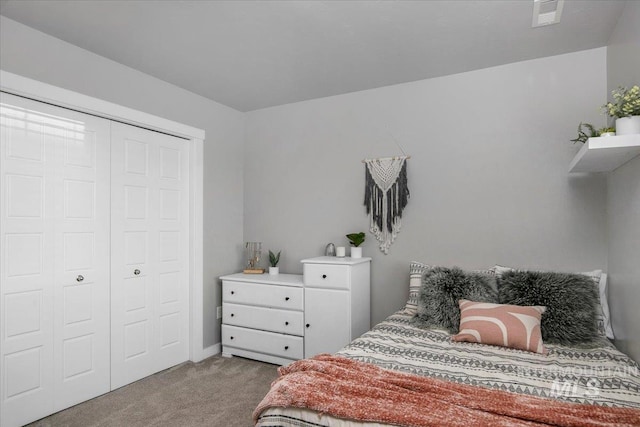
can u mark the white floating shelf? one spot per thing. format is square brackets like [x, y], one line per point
[606, 153]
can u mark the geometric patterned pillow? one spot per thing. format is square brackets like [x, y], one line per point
[604, 304]
[504, 325]
[603, 318]
[416, 271]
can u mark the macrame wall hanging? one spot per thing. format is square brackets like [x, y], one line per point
[385, 196]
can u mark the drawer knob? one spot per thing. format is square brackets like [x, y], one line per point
[307, 325]
[232, 314]
[286, 347]
[232, 292]
[231, 337]
[80, 278]
[324, 276]
[286, 323]
[286, 299]
[136, 272]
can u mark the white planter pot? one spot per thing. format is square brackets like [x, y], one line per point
[628, 125]
[356, 252]
[274, 270]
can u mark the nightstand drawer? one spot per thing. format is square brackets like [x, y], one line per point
[264, 295]
[326, 276]
[268, 319]
[288, 346]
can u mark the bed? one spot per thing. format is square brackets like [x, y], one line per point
[598, 379]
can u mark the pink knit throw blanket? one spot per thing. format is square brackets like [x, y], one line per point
[345, 388]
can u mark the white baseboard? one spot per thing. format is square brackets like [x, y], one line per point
[212, 350]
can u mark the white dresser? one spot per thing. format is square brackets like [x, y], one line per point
[263, 317]
[286, 317]
[337, 302]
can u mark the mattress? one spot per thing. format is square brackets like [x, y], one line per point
[600, 376]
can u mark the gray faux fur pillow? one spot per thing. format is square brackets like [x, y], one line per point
[571, 301]
[441, 290]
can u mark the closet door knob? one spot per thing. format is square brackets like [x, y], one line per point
[324, 276]
[80, 278]
[307, 325]
[136, 272]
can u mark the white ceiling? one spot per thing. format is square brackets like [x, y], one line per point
[255, 54]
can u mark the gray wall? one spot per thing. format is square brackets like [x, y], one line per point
[487, 176]
[38, 56]
[623, 195]
[488, 173]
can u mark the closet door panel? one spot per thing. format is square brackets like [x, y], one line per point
[54, 337]
[26, 362]
[131, 291]
[81, 257]
[173, 243]
[149, 274]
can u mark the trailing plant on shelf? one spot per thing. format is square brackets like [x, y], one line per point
[587, 130]
[626, 102]
[356, 239]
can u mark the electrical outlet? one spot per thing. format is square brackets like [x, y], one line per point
[219, 312]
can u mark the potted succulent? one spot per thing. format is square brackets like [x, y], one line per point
[607, 131]
[273, 263]
[356, 239]
[625, 108]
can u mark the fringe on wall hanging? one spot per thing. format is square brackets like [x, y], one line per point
[385, 196]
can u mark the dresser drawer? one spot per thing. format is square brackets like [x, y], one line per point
[287, 297]
[326, 276]
[268, 319]
[288, 346]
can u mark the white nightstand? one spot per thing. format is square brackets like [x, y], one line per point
[336, 302]
[263, 317]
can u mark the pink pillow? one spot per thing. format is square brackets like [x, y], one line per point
[505, 325]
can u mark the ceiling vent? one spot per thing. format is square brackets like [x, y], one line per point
[546, 12]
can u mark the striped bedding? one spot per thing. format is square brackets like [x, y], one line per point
[600, 376]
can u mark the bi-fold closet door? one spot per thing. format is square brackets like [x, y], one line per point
[94, 256]
[55, 258]
[150, 241]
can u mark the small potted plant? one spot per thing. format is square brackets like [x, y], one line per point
[356, 239]
[607, 131]
[273, 263]
[625, 108]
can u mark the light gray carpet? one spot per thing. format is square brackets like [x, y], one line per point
[214, 392]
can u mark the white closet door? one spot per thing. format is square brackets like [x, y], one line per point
[53, 227]
[81, 261]
[150, 225]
